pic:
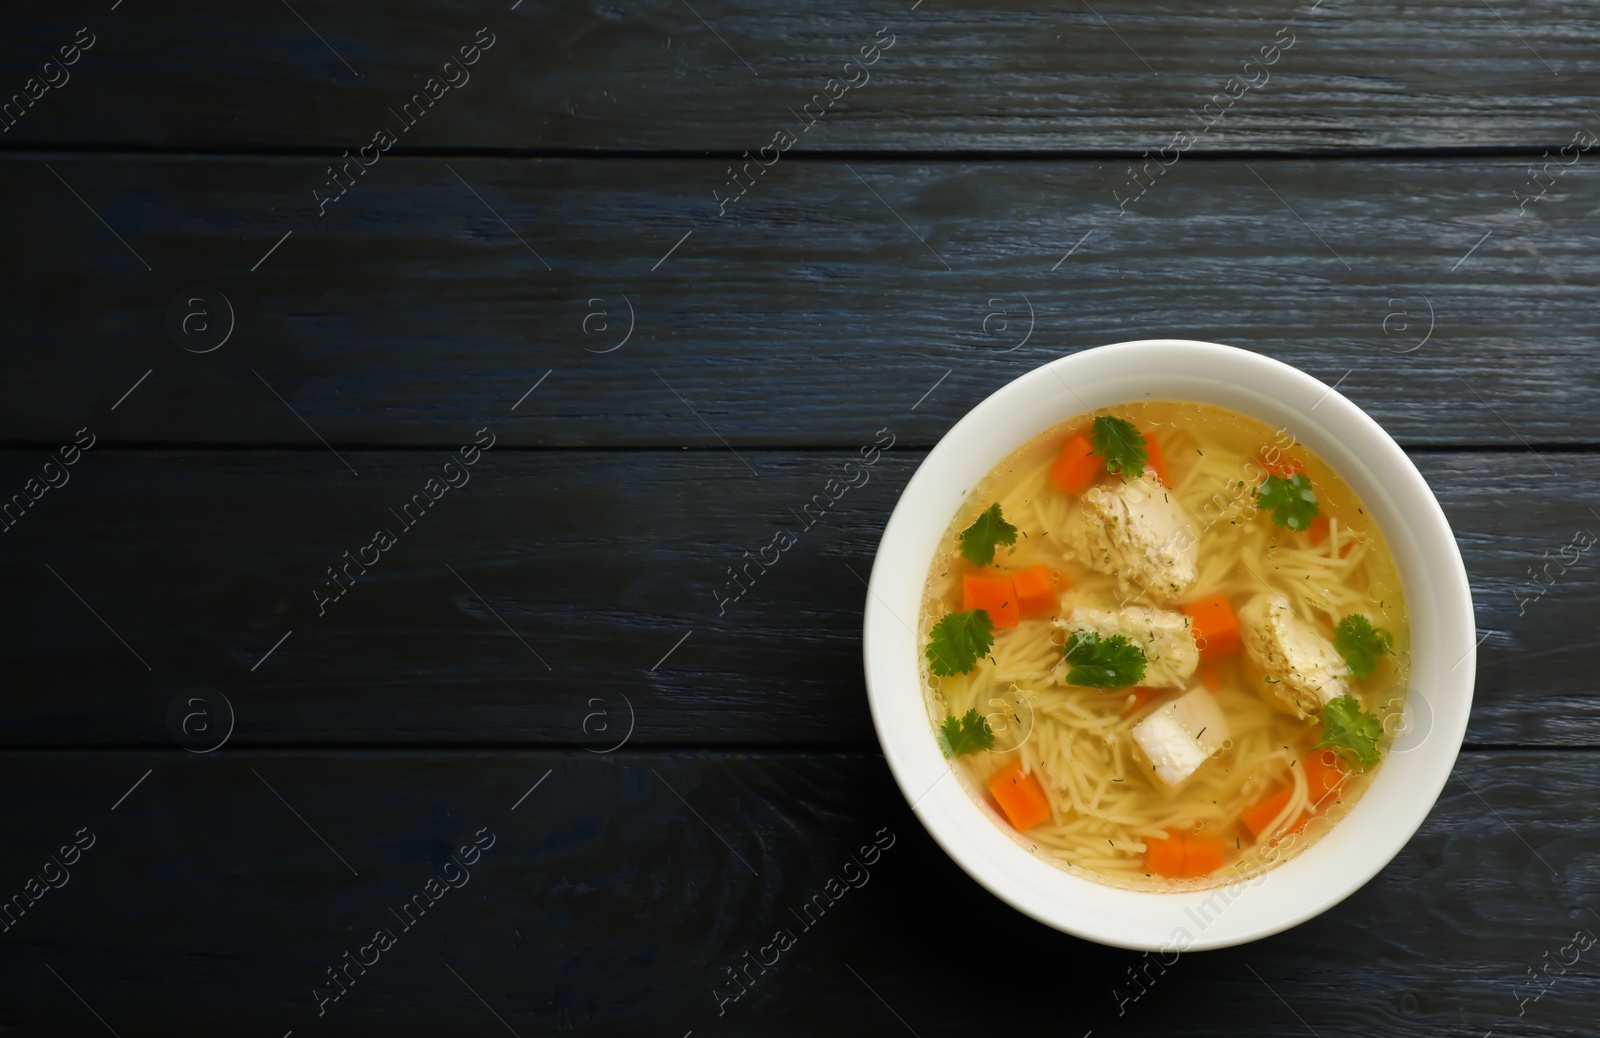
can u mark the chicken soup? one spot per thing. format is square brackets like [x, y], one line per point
[1165, 644]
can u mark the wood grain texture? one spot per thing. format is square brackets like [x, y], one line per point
[543, 656]
[622, 888]
[538, 603]
[807, 315]
[723, 75]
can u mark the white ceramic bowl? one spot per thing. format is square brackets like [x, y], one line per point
[1443, 644]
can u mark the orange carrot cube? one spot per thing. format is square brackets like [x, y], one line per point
[1020, 796]
[1257, 818]
[1216, 629]
[1157, 460]
[994, 594]
[1324, 776]
[1184, 855]
[1036, 590]
[1076, 466]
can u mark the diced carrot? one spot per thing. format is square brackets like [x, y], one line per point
[1020, 796]
[1318, 532]
[1215, 627]
[1036, 590]
[1076, 466]
[1158, 461]
[1165, 857]
[1211, 676]
[1205, 855]
[1324, 775]
[1184, 855]
[1257, 818]
[1143, 696]
[1278, 463]
[996, 595]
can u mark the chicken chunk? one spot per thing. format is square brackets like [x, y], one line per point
[1137, 532]
[1167, 639]
[1301, 669]
[1182, 735]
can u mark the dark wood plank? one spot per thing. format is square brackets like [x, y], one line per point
[1008, 76]
[610, 904]
[807, 316]
[600, 563]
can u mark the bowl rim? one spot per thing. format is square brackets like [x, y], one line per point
[1439, 604]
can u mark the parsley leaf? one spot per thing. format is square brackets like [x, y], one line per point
[1351, 730]
[958, 641]
[989, 530]
[1360, 644]
[1121, 444]
[1292, 501]
[1098, 662]
[967, 734]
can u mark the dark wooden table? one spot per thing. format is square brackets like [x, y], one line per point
[516, 285]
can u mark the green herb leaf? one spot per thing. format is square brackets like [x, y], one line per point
[1291, 500]
[1360, 644]
[967, 734]
[958, 641]
[1121, 444]
[1099, 662]
[1348, 729]
[990, 529]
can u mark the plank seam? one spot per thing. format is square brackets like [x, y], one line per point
[1533, 150]
[176, 446]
